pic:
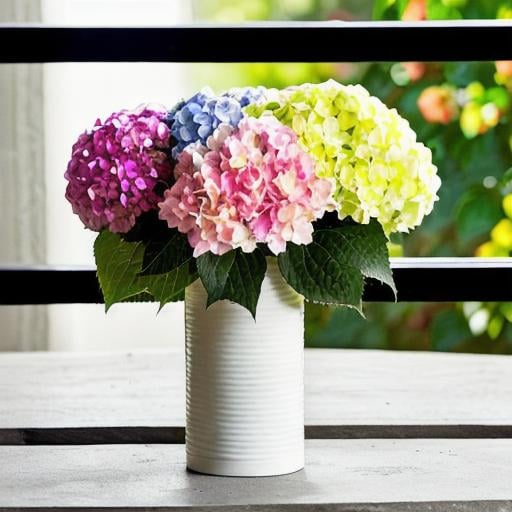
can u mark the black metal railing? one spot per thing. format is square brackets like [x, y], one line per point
[331, 41]
[432, 279]
[417, 280]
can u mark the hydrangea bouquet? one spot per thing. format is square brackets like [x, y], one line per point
[317, 176]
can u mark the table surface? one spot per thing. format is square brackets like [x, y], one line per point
[386, 431]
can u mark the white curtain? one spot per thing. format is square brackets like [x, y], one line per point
[22, 190]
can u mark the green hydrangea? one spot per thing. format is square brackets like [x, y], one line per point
[379, 169]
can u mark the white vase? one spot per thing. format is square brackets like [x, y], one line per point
[245, 382]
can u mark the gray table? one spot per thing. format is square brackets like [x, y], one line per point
[386, 431]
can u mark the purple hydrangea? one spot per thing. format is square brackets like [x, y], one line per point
[195, 120]
[115, 168]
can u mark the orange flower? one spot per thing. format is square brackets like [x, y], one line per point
[415, 70]
[504, 67]
[437, 104]
[416, 10]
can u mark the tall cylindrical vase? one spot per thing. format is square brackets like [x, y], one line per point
[245, 391]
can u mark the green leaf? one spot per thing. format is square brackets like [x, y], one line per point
[362, 245]
[118, 264]
[170, 287]
[166, 253]
[141, 297]
[321, 277]
[235, 276]
[478, 211]
[331, 270]
[118, 267]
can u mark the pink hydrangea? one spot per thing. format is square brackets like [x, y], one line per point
[257, 185]
[115, 168]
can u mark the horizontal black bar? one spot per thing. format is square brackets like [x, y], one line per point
[91, 435]
[176, 435]
[417, 280]
[332, 41]
[48, 285]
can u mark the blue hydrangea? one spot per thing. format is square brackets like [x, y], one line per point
[195, 120]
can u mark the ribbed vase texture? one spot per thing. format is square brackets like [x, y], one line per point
[245, 391]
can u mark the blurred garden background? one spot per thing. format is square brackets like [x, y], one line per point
[462, 112]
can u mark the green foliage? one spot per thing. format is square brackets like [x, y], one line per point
[365, 247]
[166, 253]
[460, 74]
[235, 276]
[388, 9]
[478, 212]
[444, 10]
[449, 330]
[358, 332]
[119, 264]
[506, 181]
[331, 270]
[322, 277]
